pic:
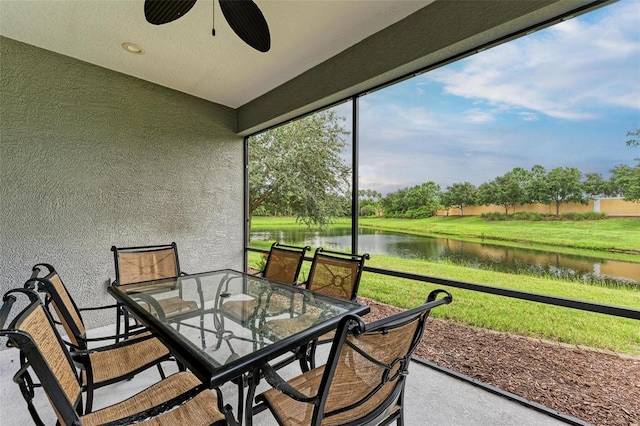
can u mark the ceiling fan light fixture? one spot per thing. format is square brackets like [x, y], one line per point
[133, 48]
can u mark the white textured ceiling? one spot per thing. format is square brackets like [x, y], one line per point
[184, 56]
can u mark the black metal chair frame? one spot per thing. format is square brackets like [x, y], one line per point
[123, 314]
[69, 411]
[354, 325]
[277, 246]
[321, 252]
[81, 351]
[43, 285]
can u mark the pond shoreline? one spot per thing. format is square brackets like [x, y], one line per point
[488, 253]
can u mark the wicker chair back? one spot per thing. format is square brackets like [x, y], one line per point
[65, 308]
[137, 264]
[284, 263]
[32, 332]
[336, 274]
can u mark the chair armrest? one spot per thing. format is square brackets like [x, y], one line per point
[133, 332]
[104, 338]
[79, 354]
[278, 383]
[177, 401]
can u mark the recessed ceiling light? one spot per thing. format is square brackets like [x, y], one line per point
[133, 48]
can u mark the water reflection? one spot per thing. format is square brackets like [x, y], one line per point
[478, 255]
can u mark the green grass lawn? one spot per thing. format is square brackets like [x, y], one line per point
[501, 313]
[510, 315]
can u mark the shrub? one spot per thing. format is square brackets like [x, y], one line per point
[495, 216]
[492, 216]
[528, 216]
[583, 216]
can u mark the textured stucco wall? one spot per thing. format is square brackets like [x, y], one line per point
[91, 158]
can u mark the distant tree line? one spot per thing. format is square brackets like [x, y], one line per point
[516, 187]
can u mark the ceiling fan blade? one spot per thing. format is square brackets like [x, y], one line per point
[247, 21]
[160, 12]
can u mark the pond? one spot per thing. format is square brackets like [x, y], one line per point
[478, 255]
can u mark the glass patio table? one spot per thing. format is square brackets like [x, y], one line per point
[219, 344]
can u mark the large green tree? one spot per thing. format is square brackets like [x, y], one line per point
[369, 202]
[460, 195]
[507, 190]
[298, 168]
[595, 186]
[418, 201]
[625, 181]
[561, 185]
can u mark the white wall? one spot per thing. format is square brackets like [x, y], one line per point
[91, 158]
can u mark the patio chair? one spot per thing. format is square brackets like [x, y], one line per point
[334, 274]
[179, 399]
[147, 263]
[283, 266]
[283, 263]
[364, 378]
[106, 364]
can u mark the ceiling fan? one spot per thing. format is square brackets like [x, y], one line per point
[244, 18]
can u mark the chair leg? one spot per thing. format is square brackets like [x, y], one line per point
[89, 387]
[117, 323]
[303, 357]
[253, 378]
[181, 366]
[203, 342]
[161, 371]
[89, 405]
[125, 314]
[240, 396]
[400, 420]
[118, 319]
[311, 357]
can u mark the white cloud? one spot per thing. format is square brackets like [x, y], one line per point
[528, 116]
[568, 71]
[478, 116]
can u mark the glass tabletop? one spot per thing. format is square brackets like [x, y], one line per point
[221, 324]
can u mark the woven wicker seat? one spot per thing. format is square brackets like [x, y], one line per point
[147, 263]
[279, 329]
[363, 380]
[178, 399]
[104, 365]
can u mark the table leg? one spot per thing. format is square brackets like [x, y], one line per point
[241, 384]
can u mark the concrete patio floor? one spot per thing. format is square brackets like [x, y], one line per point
[432, 397]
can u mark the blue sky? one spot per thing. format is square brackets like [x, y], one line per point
[563, 96]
